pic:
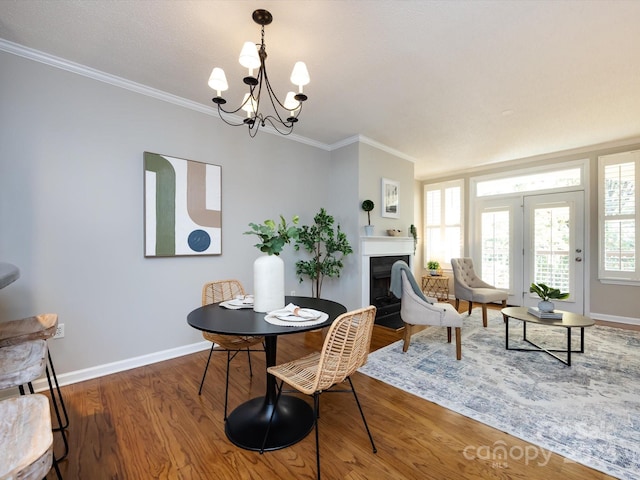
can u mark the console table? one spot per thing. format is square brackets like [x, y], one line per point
[436, 286]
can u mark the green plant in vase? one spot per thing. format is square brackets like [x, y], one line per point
[433, 266]
[547, 294]
[368, 206]
[268, 270]
[414, 233]
[274, 236]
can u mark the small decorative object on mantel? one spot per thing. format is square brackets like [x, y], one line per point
[414, 233]
[268, 270]
[394, 232]
[433, 266]
[367, 206]
[546, 294]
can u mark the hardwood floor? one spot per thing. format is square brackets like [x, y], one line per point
[150, 423]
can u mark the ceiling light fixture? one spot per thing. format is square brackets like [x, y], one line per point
[252, 56]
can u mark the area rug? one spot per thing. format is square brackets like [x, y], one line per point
[588, 412]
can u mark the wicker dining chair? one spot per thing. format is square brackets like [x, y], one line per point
[220, 291]
[345, 349]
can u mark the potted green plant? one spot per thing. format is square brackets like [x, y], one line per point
[547, 294]
[414, 233]
[367, 206]
[268, 270]
[433, 266]
[327, 247]
[273, 236]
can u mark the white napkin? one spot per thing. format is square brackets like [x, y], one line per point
[293, 312]
[240, 301]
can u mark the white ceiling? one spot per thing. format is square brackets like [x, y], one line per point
[451, 84]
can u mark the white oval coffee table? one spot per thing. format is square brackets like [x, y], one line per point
[569, 320]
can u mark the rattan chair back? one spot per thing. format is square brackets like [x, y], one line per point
[216, 292]
[345, 348]
[220, 291]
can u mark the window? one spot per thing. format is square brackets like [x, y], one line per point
[496, 247]
[530, 182]
[619, 215]
[443, 222]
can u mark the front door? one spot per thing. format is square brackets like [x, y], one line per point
[553, 241]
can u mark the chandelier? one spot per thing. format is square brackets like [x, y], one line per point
[285, 114]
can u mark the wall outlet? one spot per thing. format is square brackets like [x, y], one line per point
[293, 293]
[59, 331]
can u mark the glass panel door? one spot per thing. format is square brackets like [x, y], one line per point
[553, 247]
[498, 227]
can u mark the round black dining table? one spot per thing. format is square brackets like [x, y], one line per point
[247, 424]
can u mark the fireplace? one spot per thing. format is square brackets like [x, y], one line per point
[376, 279]
[380, 296]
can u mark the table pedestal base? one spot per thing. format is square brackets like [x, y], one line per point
[247, 424]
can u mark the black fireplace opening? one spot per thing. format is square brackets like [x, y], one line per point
[380, 296]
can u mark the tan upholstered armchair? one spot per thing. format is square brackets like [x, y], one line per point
[468, 286]
[415, 310]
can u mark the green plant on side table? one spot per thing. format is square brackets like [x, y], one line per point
[327, 248]
[547, 294]
[433, 266]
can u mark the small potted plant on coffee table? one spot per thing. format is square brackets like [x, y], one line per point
[546, 294]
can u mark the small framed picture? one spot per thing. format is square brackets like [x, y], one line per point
[390, 198]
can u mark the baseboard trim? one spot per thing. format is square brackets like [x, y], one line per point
[614, 318]
[122, 365]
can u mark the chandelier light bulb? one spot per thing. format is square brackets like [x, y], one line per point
[249, 57]
[218, 80]
[300, 75]
[290, 102]
[249, 104]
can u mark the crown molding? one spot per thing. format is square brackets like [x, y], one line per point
[69, 66]
[78, 69]
[371, 143]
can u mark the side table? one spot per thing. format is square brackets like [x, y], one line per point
[436, 286]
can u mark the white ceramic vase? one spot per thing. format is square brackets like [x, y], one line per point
[268, 283]
[546, 306]
[368, 230]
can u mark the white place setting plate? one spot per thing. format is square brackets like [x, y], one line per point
[292, 315]
[236, 303]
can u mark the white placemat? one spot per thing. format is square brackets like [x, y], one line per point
[283, 322]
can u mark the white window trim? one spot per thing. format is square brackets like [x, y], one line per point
[442, 186]
[610, 276]
[582, 164]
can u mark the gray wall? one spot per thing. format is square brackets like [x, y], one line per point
[376, 164]
[71, 209]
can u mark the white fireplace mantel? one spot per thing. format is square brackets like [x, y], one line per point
[381, 247]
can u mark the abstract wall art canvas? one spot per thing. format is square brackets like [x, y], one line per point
[182, 207]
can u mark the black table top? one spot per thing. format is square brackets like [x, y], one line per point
[216, 319]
